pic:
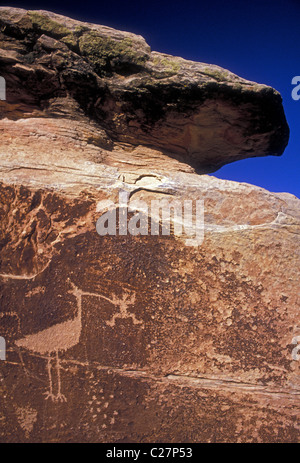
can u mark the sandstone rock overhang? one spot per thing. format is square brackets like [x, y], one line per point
[197, 113]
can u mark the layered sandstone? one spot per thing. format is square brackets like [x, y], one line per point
[156, 341]
[196, 113]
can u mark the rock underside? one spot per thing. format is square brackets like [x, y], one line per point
[139, 338]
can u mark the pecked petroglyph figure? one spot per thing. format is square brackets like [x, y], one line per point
[54, 340]
[63, 336]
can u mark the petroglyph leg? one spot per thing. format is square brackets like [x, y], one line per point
[49, 394]
[59, 397]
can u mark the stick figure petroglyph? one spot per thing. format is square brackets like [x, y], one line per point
[124, 303]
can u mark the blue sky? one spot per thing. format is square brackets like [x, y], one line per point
[258, 40]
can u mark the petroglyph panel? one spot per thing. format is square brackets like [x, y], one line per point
[111, 405]
[161, 317]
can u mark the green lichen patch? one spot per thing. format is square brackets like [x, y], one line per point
[52, 28]
[106, 54]
[170, 66]
[218, 75]
[48, 25]
[70, 40]
[79, 30]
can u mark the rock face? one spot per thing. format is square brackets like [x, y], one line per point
[139, 338]
[200, 114]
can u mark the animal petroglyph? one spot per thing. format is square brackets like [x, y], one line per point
[63, 336]
[57, 338]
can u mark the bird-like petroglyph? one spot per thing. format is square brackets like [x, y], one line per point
[63, 336]
[58, 338]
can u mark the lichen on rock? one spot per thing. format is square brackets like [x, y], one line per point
[108, 55]
[202, 115]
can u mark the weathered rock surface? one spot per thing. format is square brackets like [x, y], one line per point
[157, 341]
[194, 112]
